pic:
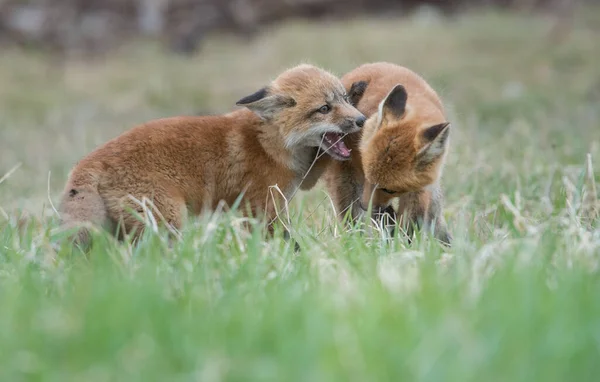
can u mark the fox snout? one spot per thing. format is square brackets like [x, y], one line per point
[349, 118]
[351, 125]
[360, 121]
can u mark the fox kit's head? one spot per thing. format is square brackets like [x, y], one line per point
[403, 149]
[310, 108]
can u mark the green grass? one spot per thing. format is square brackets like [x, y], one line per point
[514, 299]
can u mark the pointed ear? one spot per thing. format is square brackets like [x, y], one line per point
[394, 104]
[266, 105]
[357, 90]
[436, 138]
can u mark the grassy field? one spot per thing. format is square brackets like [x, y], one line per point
[515, 299]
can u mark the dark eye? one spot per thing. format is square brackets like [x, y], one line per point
[387, 191]
[324, 109]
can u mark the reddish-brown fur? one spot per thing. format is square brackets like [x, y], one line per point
[394, 152]
[186, 165]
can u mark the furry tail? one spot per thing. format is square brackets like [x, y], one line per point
[81, 207]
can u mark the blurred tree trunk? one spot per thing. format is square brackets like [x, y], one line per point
[151, 16]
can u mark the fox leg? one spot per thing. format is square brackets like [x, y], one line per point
[435, 217]
[164, 208]
[286, 235]
[424, 209]
[411, 213]
[345, 190]
[440, 231]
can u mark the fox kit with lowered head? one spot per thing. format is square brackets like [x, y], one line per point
[185, 165]
[401, 150]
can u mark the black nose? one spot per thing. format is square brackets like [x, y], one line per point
[360, 121]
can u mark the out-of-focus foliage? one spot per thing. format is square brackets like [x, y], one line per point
[68, 26]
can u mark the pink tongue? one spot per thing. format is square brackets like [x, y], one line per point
[336, 144]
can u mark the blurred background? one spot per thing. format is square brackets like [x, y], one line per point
[71, 27]
[520, 79]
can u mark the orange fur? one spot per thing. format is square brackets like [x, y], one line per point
[186, 165]
[401, 149]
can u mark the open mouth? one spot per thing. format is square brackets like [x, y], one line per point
[333, 144]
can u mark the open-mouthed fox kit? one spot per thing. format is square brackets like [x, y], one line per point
[377, 134]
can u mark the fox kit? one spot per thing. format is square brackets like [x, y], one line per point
[401, 151]
[185, 165]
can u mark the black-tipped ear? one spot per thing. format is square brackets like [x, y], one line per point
[395, 102]
[432, 132]
[357, 90]
[437, 138]
[264, 104]
[262, 93]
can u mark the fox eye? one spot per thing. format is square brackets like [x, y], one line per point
[324, 109]
[387, 191]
